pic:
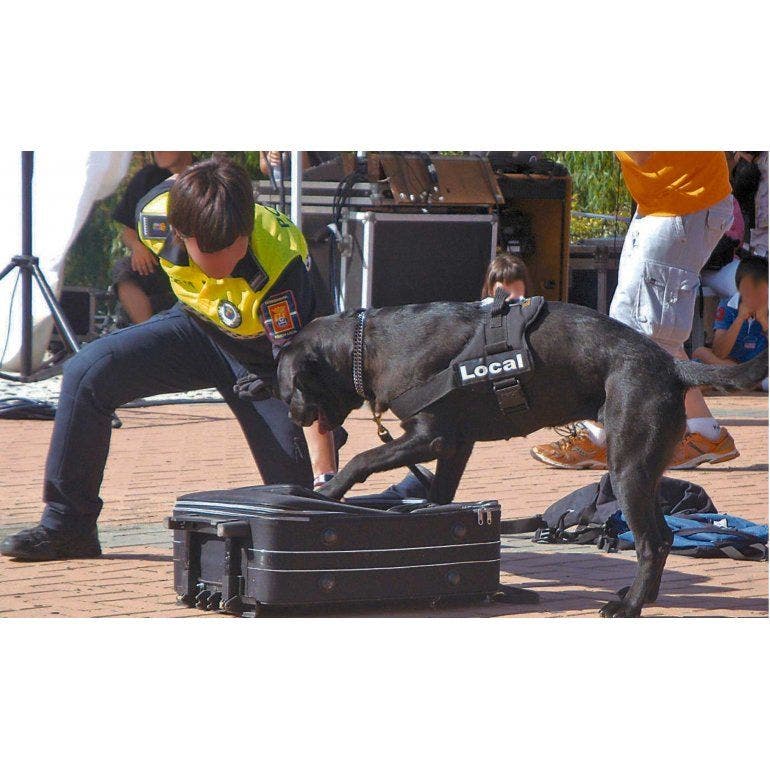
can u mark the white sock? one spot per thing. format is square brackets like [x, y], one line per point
[596, 432]
[706, 426]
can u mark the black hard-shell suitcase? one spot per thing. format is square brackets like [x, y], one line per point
[238, 550]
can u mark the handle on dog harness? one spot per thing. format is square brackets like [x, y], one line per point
[508, 392]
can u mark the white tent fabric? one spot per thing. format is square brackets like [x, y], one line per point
[65, 185]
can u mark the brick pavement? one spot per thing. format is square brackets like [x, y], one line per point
[203, 442]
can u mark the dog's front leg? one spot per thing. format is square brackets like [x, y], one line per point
[414, 446]
[449, 471]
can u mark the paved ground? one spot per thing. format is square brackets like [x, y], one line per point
[202, 444]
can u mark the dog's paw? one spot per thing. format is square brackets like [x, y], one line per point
[619, 610]
[331, 490]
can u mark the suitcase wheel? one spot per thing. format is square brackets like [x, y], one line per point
[201, 599]
[253, 612]
[233, 606]
[186, 599]
[214, 600]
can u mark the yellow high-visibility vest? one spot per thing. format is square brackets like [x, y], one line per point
[232, 303]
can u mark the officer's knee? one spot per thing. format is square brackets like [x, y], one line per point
[83, 368]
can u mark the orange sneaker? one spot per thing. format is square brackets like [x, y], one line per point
[695, 449]
[576, 451]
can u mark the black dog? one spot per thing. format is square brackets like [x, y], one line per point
[586, 366]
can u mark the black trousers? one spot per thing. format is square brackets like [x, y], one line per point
[166, 354]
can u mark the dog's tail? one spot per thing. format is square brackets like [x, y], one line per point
[737, 377]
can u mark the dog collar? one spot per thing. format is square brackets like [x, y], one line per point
[358, 353]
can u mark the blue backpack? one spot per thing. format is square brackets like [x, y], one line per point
[702, 535]
[591, 515]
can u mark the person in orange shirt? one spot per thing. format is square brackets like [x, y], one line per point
[684, 205]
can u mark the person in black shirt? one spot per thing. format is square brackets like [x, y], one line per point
[142, 287]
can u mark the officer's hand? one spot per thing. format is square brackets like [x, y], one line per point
[143, 261]
[251, 387]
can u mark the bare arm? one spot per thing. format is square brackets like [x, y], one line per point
[268, 158]
[724, 339]
[143, 261]
[321, 447]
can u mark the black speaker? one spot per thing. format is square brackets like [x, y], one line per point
[400, 259]
[79, 306]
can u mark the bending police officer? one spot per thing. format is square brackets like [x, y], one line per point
[239, 272]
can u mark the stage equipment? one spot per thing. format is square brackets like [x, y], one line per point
[535, 223]
[593, 269]
[398, 228]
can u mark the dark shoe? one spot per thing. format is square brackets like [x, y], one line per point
[41, 544]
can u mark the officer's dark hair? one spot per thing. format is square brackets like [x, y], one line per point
[751, 267]
[505, 268]
[213, 202]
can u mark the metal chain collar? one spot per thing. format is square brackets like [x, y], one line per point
[358, 375]
[358, 353]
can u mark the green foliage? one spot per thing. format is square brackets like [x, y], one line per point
[597, 188]
[249, 159]
[96, 248]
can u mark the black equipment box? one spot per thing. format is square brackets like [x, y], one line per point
[593, 270]
[240, 549]
[390, 254]
[402, 258]
[546, 202]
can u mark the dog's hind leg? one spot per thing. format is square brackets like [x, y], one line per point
[635, 492]
[641, 435]
[449, 470]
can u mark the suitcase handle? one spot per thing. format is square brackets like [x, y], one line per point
[234, 528]
[228, 528]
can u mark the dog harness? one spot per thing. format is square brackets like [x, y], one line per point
[241, 304]
[494, 358]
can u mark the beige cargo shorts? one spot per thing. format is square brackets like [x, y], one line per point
[659, 272]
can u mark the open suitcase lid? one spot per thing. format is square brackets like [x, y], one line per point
[289, 498]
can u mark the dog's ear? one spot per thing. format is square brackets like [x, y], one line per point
[296, 405]
[308, 374]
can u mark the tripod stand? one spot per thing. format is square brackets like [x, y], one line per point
[29, 271]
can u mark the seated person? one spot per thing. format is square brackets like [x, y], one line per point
[718, 273]
[741, 321]
[143, 289]
[508, 272]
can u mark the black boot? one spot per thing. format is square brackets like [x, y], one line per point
[41, 544]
